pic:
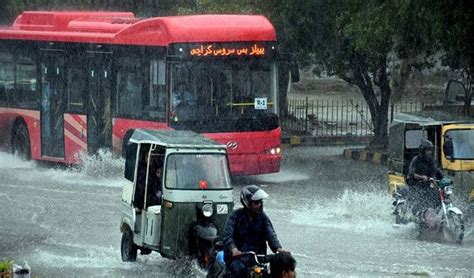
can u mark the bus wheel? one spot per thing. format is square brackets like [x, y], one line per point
[128, 248]
[21, 142]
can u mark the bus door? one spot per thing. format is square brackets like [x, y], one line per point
[99, 118]
[52, 103]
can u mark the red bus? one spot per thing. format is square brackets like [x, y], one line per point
[74, 82]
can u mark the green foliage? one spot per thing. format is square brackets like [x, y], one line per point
[12, 8]
[228, 7]
[6, 265]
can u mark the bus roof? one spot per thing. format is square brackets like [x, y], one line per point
[124, 28]
[174, 139]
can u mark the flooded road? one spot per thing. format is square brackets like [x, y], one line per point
[334, 215]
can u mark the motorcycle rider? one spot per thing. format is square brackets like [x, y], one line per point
[421, 171]
[248, 229]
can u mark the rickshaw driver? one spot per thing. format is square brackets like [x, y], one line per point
[248, 229]
[423, 168]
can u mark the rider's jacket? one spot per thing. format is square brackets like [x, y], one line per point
[245, 234]
[422, 165]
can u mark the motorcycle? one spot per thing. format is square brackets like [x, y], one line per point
[446, 220]
[257, 265]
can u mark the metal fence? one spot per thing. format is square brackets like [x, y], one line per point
[336, 117]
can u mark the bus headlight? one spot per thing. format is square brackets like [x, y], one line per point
[274, 151]
[207, 210]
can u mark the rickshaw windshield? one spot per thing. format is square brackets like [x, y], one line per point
[463, 143]
[197, 172]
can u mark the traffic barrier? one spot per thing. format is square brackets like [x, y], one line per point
[376, 157]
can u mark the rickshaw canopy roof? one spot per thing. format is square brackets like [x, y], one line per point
[429, 118]
[174, 139]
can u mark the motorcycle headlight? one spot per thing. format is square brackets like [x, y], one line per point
[448, 190]
[207, 210]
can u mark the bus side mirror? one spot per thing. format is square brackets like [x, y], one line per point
[448, 148]
[295, 72]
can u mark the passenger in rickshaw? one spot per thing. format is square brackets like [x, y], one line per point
[421, 170]
[154, 182]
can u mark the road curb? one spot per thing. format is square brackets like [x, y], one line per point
[376, 157]
[296, 140]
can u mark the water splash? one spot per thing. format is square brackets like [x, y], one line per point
[100, 169]
[104, 164]
[358, 211]
[10, 161]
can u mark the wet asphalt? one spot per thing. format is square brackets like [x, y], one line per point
[333, 214]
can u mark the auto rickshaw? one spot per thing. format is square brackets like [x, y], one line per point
[453, 139]
[183, 212]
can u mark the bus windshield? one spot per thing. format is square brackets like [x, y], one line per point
[463, 143]
[219, 96]
[197, 172]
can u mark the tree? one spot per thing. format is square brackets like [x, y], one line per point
[12, 8]
[417, 28]
[458, 44]
[360, 41]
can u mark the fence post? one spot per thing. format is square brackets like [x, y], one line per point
[391, 112]
[306, 116]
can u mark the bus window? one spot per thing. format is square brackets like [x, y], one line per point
[156, 105]
[129, 87]
[224, 96]
[7, 79]
[76, 83]
[26, 93]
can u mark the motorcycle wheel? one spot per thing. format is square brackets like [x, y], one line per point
[455, 231]
[400, 214]
[128, 248]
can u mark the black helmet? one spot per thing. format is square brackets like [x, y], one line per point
[251, 193]
[425, 145]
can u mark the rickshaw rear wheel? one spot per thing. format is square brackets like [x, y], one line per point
[128, 248]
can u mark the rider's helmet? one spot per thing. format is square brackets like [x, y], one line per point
[425, 145]
[251, 193]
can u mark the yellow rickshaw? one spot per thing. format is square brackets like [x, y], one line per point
[453, 139]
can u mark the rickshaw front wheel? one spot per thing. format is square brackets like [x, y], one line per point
[128, 248]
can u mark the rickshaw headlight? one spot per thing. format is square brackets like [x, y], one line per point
[448, 190]
[207, 210]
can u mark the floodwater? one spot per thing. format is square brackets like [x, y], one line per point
[334, 215]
